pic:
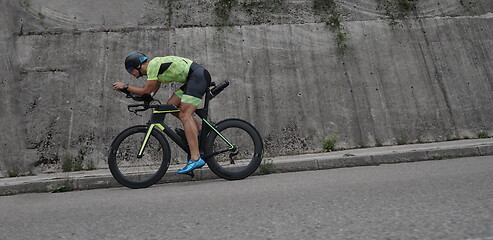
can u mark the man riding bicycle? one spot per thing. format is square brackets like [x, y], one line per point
[195, 79]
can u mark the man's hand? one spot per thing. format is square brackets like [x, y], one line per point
[118, 86]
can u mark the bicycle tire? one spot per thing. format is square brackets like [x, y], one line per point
[134, 172]
[247, 141]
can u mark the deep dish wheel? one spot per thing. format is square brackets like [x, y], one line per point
[247, 153]
[135, 172]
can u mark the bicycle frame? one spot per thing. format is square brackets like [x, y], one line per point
[157, 121]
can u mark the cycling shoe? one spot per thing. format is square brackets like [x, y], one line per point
[191, 165]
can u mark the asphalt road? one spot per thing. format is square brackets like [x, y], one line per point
[449, 199]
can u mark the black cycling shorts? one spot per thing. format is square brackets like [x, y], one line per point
[193, 90]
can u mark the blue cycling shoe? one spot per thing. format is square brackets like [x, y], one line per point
[191, 165]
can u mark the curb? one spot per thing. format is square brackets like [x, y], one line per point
[61, 182]
[327, 162]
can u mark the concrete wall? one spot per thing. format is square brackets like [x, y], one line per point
[429, 78]
[13, 150]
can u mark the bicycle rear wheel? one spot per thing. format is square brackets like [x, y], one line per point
[130, 170]
[236, 151]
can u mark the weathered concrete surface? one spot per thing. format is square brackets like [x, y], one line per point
[426, 79]
[13, 149]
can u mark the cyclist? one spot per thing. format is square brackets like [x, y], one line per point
[195, 80]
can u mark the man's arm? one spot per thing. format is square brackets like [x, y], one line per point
[150, 87]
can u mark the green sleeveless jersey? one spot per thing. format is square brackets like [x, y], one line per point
[169, 69]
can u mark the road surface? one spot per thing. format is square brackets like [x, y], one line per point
[448, 199]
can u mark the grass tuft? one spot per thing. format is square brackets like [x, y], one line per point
[329, 142]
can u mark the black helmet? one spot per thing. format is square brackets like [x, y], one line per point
[134, 60]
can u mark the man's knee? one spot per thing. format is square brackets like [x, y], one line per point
[184, 115]
[186, 111]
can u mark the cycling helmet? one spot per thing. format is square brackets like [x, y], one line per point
[134, 60]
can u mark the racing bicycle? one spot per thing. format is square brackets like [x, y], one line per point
[140, 155]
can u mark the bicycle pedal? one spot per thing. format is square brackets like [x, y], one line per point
[191, 174]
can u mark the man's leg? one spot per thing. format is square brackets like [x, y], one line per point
[191, 130]
[193, 91]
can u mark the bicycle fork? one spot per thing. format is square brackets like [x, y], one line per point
[146, 139]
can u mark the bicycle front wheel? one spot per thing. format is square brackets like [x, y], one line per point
[135, 171]
[235, 150]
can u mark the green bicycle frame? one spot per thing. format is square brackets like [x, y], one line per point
[162, 127]
[157, 120]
